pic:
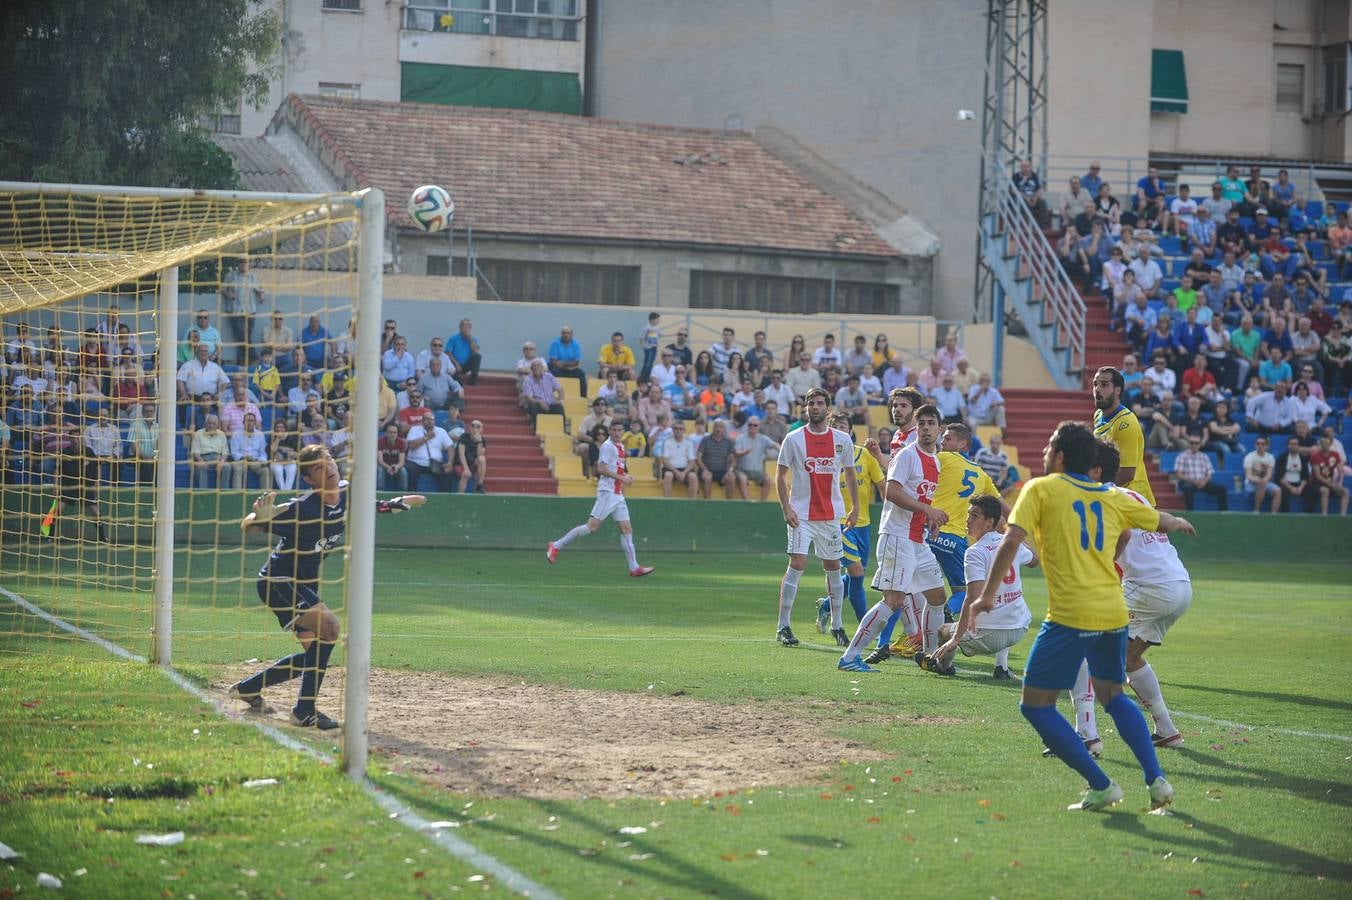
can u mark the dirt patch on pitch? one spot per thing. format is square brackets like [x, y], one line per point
[493, 736]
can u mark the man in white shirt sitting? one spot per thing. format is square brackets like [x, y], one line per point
[1258, 468]
[249, 453]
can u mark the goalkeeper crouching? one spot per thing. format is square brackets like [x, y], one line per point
[306, 529]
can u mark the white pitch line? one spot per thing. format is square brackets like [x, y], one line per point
[403, 814]
[1226, 723]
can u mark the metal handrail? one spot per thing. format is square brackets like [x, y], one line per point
[1038, 260]
[468, 20]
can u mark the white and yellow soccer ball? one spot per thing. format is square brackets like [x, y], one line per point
[431, 208]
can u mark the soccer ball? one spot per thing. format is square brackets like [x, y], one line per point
[431, 208]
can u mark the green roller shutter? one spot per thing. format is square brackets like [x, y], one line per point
[557, 92]
[1168, 82]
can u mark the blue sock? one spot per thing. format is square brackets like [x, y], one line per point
[955, 602]
[315, 662]
[284, 669]
[854, 590]
[1133, 729]
[1062, 740]
[886, 637]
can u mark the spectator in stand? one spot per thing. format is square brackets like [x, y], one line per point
[680, 348]
[704, 369]
[985, 404]
[249, 453]
[682, 395]
[1340, 239]
[440, 390]
[774, 426]
[103, 443]
[851, 401]
[715, 459]
[1320, 320]
[1214, 295]
[1257, 192]
[633, 439]
[125, 344]
[130, 390]
[1306, 375]
[663, 372]
[1232, 273]
[1232, 236]
[436, 349]
[759, 359]
[1091, 181]
[200, 375]
[950, 401]
[413, 413]
[1138, 318]
[391, 453]
[428, 453]
[313, 428]
[1295, 478]
[292, 368]
[1150, 189]
[464, 349]
[1029, 186]
[565, 358]
[883, 354]
[314, 343]
[1198, 382]
[237, 407]
[895, 375]
[1216, 205]
[994, 461]
[858, 360]
[1326, 465]
[388, 335]
[616, 357]
[265, 379]
[455, 426]
[744, 397]
[1335, 355]
[652, 406]
[751, 449]
[649, 339]
[471, 455]
[210, 452]
[1282, 197]
[1109, 210]
[1216, 348]
[584, 444]
[1184, 212]
[719, 352]
[1131, 375]
[344, 349]
[338, 400]
[143, 438]
[678, 461]
[1149, 275]
[778, 391]
[1073, 258]
[1270, 412]
[541, 392]
[1189, 338]
[1306, 347]
[1274, 370]
[620, 400]
[1159, 344]
[1304, 408]
[1223, 433]
[931, 378]
[279, 338]
[398, 365]
[802, 378]
[713, 402]
[797, 347]
[949, 354]
[1246, 343]
[827, 356]
[283, 447]
[1194, 472]
[1073, 200]
[299, 397]
[528, 355]
[207, 335]
[1097, 247]
[1114, 273]
[1259, 466]
[734, 372]
[387, 411]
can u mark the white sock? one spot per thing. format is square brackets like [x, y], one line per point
[627, 542]
[1147, 687]
[917, 604]
[788, 590]
[579, 531]
[835, 589]
[1002, 658]
[1083, 693]
[869, 628]
[933, 618]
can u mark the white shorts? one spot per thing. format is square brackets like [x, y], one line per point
[905, 566]
[824, 537]
[610, 504]
[990, 641]
[1152, 609]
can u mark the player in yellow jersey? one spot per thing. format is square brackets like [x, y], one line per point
[1075, 523]
[1116, 423]
[960, 480]
[857, 541]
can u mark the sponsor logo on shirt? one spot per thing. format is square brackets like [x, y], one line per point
[820, 465]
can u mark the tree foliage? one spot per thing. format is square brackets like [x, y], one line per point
[110, 91]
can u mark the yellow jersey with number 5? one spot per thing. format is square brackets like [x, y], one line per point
[960, 480]
[1074, 523]
[1124, 430]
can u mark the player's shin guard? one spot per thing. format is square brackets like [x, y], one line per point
[1062, 740]
[835, 589]
[1136, 733]
[579, 531]
[1147, 688]
[284, 669]
[627, 542]
[854, 590]
[885, 636]
[316, 661]
[788, 590]
[870, 625]
[1086, 722]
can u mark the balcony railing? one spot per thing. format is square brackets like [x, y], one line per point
[558, 21]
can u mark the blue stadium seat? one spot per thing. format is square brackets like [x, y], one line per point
[426, 485]
[1167, 458]
[1171, 246]
[1340, 205]
[1169, 284]
[1318, 249]
[1245, 221]
[1314, 209]
[441, 417]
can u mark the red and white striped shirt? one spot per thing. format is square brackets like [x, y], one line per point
[612, 456]
[816, 461]
[918, 474]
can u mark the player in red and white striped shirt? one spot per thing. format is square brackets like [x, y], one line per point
[612, 478]
[905, 562]
[902, 404]
[815, 455]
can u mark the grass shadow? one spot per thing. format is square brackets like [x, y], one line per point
[1333, 793]
[1272, 696]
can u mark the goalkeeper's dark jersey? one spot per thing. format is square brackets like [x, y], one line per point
[306, 530]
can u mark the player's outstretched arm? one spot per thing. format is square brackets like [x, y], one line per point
[1171, 523]
[400, 504]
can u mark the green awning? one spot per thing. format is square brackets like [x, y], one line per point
[558, 92]
[1168, 82]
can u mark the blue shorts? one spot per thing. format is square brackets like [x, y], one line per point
[950, 550]
[857, 544]
[1055, 659]
[287, 599]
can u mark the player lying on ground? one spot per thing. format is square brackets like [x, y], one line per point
[612, 477]
[1005, 625]
[307, 528]
[1075, 523]
[906, 563]
[815, 456]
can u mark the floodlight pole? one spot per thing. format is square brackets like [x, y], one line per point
[361, 498]
[165, 459]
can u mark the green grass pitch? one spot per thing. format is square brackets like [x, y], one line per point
[963, 805]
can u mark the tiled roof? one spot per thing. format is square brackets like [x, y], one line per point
[528, 173]
[261, 166]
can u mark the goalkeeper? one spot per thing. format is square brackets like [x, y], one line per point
[306, 528]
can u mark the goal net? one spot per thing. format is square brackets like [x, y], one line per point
[167, 355]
